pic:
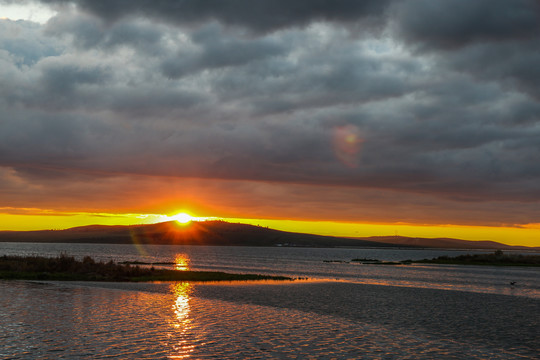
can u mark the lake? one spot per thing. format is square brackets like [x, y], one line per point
[344, 310]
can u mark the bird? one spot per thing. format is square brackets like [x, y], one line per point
[512, 283]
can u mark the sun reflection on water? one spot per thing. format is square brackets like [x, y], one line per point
[181, 262]
[182, 322]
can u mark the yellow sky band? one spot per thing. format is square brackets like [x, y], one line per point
[526, 236]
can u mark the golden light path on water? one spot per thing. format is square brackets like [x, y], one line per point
[181, 262]
[182, 323]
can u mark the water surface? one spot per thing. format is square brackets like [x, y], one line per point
[317, 320]
[345, 311]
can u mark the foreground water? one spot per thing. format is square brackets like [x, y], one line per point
[347, 311]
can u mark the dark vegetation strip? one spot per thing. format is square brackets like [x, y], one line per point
[146, 263]
[498, 258]
[67, 268]
[379, 262]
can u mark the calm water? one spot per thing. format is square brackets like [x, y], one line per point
[345, 312]
[310, 262]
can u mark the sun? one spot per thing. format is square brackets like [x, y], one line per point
[182, 218]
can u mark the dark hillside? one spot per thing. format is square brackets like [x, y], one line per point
[230, 234]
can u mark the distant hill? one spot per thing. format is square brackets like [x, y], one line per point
[228, 234]
[195, 233]
[444, 243]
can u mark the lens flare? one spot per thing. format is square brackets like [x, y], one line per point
[347, 144]
[139, 246]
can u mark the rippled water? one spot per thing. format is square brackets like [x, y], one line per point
[347, 312]
[241, 321]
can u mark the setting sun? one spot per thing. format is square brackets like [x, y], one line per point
[182, 218]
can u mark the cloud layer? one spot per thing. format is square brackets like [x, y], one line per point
[431, 104]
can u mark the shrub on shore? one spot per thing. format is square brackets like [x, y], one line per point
[65, 267]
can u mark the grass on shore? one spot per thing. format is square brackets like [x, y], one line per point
[67, 268]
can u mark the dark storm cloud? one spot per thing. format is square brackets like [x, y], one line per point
[457, 23]
[490, 40]
[437, 100]
[511, 64]
[259, 16]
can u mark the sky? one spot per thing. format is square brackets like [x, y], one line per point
[412, 117]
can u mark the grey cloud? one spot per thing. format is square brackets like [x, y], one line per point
[24, 42]
[329, 74]
[521, 112]
[61, 78]
[214, 50]
[139, 34]
[59, 84]
[148, 102]
[450, 115]
[34, 137]
[89, 31]
[86, 80]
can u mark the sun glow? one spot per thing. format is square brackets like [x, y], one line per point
[182, 218]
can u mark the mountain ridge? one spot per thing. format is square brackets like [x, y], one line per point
[221, 233]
